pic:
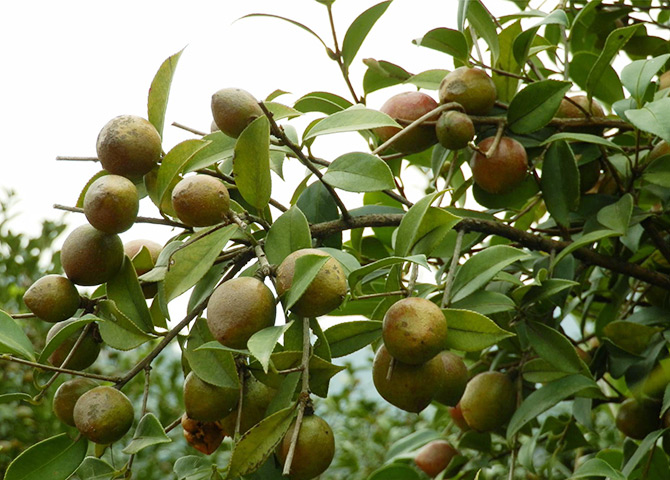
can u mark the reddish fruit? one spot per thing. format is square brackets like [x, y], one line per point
[203, 436]
[503, 170]
[434, 457]
[409, 106]
[456, 415]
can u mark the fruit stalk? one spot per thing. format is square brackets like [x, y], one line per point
[452, 269]
[155, 221]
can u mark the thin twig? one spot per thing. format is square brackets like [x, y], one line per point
[188, 129]
[61, 158]
[77, 373]
[155, 221]
[452, 269]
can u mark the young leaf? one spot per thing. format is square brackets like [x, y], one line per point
[12, 338]
[290, 232]
[534, 106]
[173, 164]
[617, 216]
[359, 172]
[359, 29]
[637, 76]
[251, 163]
[258, 443]
[160, 91]
[191, 262]
[349, 337]
[350, 120]
[653, 118]
[262, 343]
[470, 331]
[451, 42]
[560, 182]
[55, 458]
[149, 432]
[615, 41]
[213, 366]
[124, 289]
[306, 269]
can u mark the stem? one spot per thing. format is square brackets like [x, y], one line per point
[77, 373]
[173, 424]
[188, 129]
[413, 275]
[496, 141]
[238, 419]
[155, 221]
[452, 269]
[76, 159]
[381, 294]
[145, 398]
[338, 56]
[265, 269]
[17, 316]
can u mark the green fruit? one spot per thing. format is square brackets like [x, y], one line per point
[454, 130]
[411, 387]
[414, 330]
[314, 450]
[129, 146]
[233, 109]
[504, 170]
[471, 87]
[489, 401]
[239, 308]
[67, 395]
[256, 398]
[52, 298]
[434, 457]
[326, 291]
[91, 257]
[111, 204]
[87, 351]
[201, 201]
[636, 419]
[452, 381]
[103, 415]
[409, 106]
[206, 402]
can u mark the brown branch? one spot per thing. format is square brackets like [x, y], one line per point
[76, 373]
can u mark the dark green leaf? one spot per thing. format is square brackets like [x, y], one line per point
[124, 289]
[645, 447]
[149, 432]
[534, 106]
[481, 21]
[359, 29]
[582, 137]
[596, 467]
[306, 269]
[538, 370]
[560, 182]
[96, 469]
[324, 102]
[173, 164]
[631, 337]
[451, 42]
[653, 118]
[395, 471]
[359, 172]
[470, 331]
[251, 163]
[637, 76]
[262, 343]
[615, 41]
[658, 172]
[583, 241]
[412, 226]
[290, 232]
[160, 91]
[617, 215]
[349, 337]
[66, 331]
[117, 330]
[553, 347]
[12, 338]
[350, 120]
[609, 88]
[55, 458]
[213, 366]
[524, 41]
[14, 397]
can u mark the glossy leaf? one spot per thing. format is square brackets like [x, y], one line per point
[583, 241]
[352, 119]
[55, 458]
[485, 302]
[546, 397]
[480, 19]
[358, 275]
[637, 76]
[159, 91]
[608, 89]
[560, 182]
[653, 118]
[349, 337]
[534, 106]
[194, 259]
[251, 163]
[306, 269]
[553, 347]
[479, 269]
[12, 338]
[524, 41]
[615, 41]
[324, 102]
[213, 366]
[582, 137]
[117, 330]
[290, 232]
[451, 42]
[359, 29]
[617, 215]
[63, 333]
[173, 164]
[149, 432]
[258, 443]
[381, 74]
[125, 290]
[359, 172]
[262, 343]
[219, 148]
[470, 331]
[596, 467]
[506, 86]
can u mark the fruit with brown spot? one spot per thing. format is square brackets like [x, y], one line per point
[103, 415]
[91, 257]
[201, 201]
[52, 298]
[111, 204]
[452, 381]
[85, 355]
[471, 87]
[503, 170]
[67, 395]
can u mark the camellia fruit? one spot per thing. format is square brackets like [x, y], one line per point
[637, 419]
[87, 351]
[454, 130]
[91, 257]
[129, 145]
[452, 381]
[471, 87]
[409, 106]
[326, 291]
[103, 415]
[256, 398]
[414, 330]
[489, 401]
[111, 204]
[67, 395]
[314, 450]
[206, 402]
[233, 109]
[664, 80]
[203, 436]
[503, 170]
[52, 298]
[201, 201]
[434, 457]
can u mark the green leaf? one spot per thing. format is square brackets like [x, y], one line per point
[637, 76]
[149, 432]
[66, 331]
[546, 397]
[262, 343]
[125, 290]
[306, 269]
[194, 259]
[645, 447]
[534, 106]
[411, 442]
[395, 471]
[617, 216]
[349, 337]
[451, 42]
[524, 41]
[359, 172]
[631, 337]
[485, 302]
[584, 138]
[352, 119]
[285, 393]
[609, 88]
[429, 80]
[359, 29]
[583, 241]
[615, 41]
[479, 269]
[410, 225]
[258, 443]
[553, 347]
[15, 397]
[470, 331]
[482, 23]
[320, 370]
[324, 102]
[381, 74]
[55, 458]
[213, 366]
[117, 330]
[12, 338]
[160, 91]
[292, 22]
[219, 148]
[280, 111]
[251, 163]
[96, 469]
[290, 232]
[596, 467]
[538, 370]
[357, 275]
[653, 118]
[560, 182]
[506, 85]
[658, 172]
[173, 163]
[191, 467]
